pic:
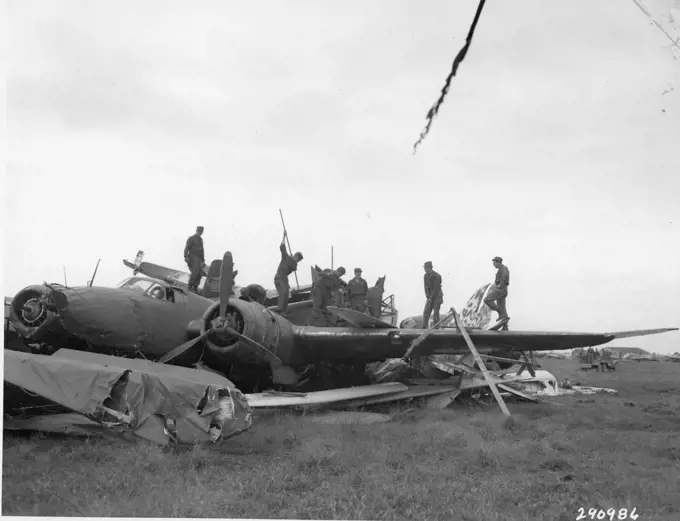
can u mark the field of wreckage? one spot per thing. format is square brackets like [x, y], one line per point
[255, 414]
[602, 450]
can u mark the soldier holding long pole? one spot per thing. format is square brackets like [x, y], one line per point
[287, 265]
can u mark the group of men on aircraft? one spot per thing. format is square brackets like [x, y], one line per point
[329, 281]
[495, 298]
[326, 283]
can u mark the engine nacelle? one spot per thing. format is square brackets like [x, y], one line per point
[256, 322]
[34, 316]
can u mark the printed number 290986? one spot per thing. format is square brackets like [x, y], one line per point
[610, 513]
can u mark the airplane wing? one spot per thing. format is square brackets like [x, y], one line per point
[369, 343]
[134, 395]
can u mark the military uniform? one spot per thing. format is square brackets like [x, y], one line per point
[374, 298]
[495, 299]
[195, 258]
[287, 266]
[326, 282]
[254, 293]
[357, 291]
[433, 293]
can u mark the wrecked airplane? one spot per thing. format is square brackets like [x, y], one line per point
[246, 343]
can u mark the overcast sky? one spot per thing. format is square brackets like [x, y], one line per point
[130, 123]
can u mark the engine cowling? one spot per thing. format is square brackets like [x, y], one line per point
[33, 314]
[256, 322]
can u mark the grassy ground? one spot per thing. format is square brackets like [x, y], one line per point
[571, 452]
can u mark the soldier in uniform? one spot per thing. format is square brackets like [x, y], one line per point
[433, 294]
[357, 290]
[374, 297]
[326, 282]
[254, 293]
[287, 266]
[499, 291]
[195, 258]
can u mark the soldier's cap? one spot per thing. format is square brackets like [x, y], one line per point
[341, 270]
[199, 228]
[357, 270]
[428, 264]
[497, 259]
[299, 255]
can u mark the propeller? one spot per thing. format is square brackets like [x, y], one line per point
[168, 357]
[281, 374]
[226, 282]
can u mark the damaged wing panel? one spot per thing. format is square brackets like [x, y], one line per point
[155, 402]
[69, 383]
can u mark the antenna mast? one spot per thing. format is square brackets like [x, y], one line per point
[95, 272]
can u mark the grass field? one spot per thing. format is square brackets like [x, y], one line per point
[465, 463]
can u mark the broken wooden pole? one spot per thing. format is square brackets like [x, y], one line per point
[480, 363]
[419, 340]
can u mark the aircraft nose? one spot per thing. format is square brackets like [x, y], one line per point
[102, 316]
[33, 313]
[32, 310]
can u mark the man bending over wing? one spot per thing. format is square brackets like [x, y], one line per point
[326, 282]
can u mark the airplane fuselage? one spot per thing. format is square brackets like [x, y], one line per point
[140, 317]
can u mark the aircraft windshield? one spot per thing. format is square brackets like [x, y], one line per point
[140, 285]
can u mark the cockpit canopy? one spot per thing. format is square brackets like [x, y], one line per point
[149, 287]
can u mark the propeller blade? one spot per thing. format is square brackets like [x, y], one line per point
[168, 357]
[226, 282]
[282, 374]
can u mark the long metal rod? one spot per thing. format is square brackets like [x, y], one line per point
[480, 363]
[332, 258]
[290, 250]
[95, 272]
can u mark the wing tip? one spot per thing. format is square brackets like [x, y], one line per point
[641, 332]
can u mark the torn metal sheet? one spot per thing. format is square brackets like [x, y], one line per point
[410, 393]
[449, 387]
[545, 384]
[586, 389]
[442, 401]
[156, 402]
[321, 398]
[515, 392]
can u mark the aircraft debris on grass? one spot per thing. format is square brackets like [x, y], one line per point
[249, 356]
